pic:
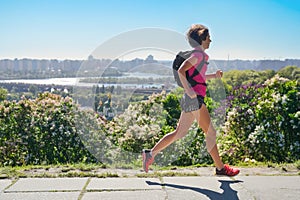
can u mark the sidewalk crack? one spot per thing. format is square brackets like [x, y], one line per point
[10, 185]
[83, 191]
[163, 187]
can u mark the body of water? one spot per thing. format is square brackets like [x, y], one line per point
[76, 81]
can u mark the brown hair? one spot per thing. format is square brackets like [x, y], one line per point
[196, 34]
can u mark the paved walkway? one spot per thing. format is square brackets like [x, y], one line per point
[242, 187]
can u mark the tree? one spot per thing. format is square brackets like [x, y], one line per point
[33, 89]
[290, 72]
[3, 94]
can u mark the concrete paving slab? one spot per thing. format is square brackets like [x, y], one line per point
[126, 195]
[194, 181]
[172, 188]
[48, 184]
[272, 187]
[40, 196]
[203, 188]
[4, 183]
[185, 194]
[122, 184]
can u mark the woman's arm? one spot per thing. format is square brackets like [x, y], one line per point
[186, 65]
[218, 74]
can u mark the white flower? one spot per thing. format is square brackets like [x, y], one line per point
[258, 128]
[232, 113]
[249, 111]
[275, 79]
[276, 97]
[253, 137]
[284, 98]
[258, 107]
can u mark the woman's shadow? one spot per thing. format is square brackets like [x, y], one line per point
[228, 192]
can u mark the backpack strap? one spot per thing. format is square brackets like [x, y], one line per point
[200, 65]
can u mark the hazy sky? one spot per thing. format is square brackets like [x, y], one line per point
[73, 29]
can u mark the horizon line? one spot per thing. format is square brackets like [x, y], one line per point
[77, 59]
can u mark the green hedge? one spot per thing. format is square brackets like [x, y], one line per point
[42, 131]
[261, 123]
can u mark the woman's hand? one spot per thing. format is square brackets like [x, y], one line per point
[219, 74]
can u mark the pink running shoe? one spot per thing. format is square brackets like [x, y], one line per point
[147, 159]
[227, 171]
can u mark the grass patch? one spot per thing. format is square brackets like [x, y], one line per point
[11, 172]
[89, 174]
[176, 167]
[52, 171]
[135, 164]
[297, 164]
[84, 166]
[102, 171]
[166, 174]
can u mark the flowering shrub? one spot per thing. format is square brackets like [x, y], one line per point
[144, 123]
[52, 129]
[46, 130]
[140, 126]
[263, 122]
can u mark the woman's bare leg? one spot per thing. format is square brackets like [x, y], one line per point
[204, 121]
[185, 122]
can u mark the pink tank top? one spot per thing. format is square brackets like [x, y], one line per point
[200, 89]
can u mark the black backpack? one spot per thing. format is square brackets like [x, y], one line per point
[180, 58]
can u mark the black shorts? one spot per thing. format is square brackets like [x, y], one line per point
[188, 104]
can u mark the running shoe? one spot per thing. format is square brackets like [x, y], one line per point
[147, 159]
[227, 171]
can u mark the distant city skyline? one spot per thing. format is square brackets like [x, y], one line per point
[245, 30]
